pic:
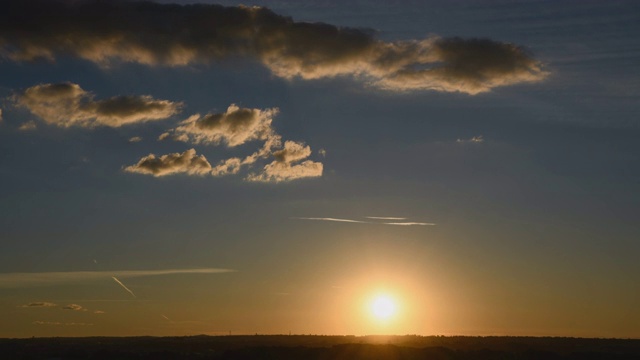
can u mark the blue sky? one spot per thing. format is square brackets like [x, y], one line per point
[530, 176]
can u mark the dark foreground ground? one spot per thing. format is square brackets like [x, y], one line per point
[303, 347]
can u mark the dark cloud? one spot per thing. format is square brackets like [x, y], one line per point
[67, 104]
[177, 163]
[175, 35]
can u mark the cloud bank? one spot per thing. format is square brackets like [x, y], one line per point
[67, 104]
[177, 35]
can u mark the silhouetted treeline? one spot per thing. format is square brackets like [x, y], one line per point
[302, 347]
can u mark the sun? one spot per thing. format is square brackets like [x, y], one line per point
[383, 307]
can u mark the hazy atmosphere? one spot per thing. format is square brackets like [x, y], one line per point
[320, 167]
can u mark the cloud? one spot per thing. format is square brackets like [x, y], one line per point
[279, 171]
[233, 127]
[98, 312]
[67, 104]
[28, 126]
[473, 140]
[470, 66]
[74, 307]
[368, 222]
[176, 35]
[39, 304]
[176, 163]
[331, 219]
[385, 218]
[135, 139]
[409, 224]
[284, 167]
[56, 323]
[17, 280]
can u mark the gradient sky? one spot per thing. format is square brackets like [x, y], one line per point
[502, 135]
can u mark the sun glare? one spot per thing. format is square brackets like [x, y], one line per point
[383, 307]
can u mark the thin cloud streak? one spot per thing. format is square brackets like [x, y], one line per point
[18, 280]
[368, 222]
[332, 219]
[385, 218]
[124, 286]
[39, 304]
[409, 224]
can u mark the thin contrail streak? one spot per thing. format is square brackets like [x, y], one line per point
[123, 286]
[165, 317]
[331, 219]
[409, 223]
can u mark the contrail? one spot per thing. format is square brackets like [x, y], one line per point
[123, 286]
[331, 219]
[409, 223]
[165, 317]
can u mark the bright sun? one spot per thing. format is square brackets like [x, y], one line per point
[383, 307]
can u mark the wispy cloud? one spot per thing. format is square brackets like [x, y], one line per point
[331, 219]
[74, 307]
[135, 139]
[289, 49]
[56, 323]
[473, 140]
[38, 304]
[16, 280]
[28, 126]
[407, 223]
[67, 104]
[123, 286]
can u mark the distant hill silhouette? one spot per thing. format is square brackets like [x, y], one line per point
[309, 347]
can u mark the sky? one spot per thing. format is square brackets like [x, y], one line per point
[275, 167]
